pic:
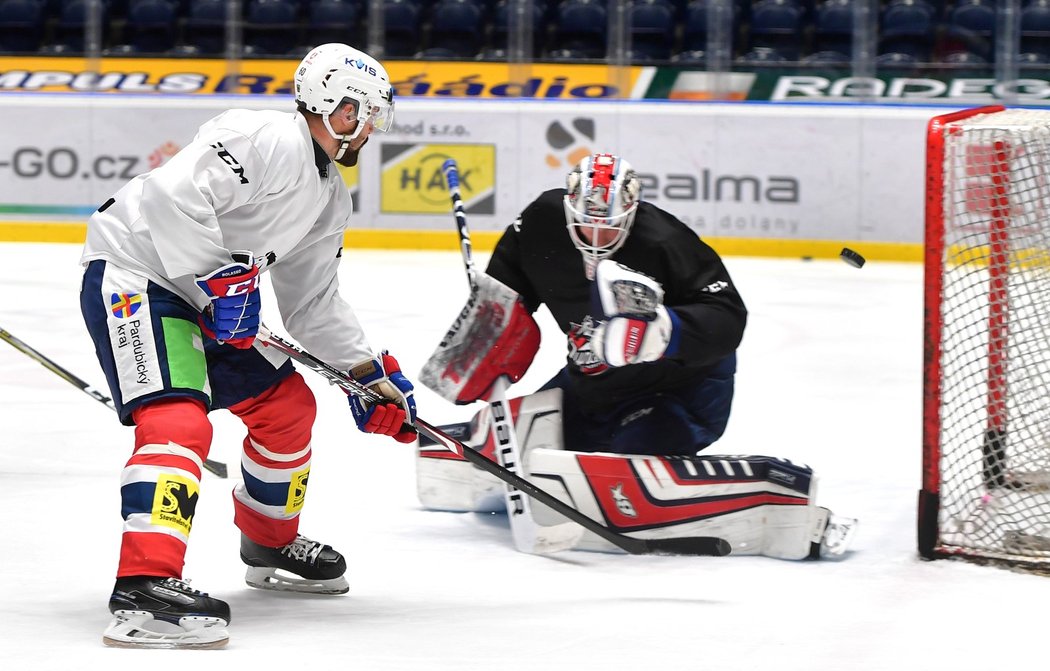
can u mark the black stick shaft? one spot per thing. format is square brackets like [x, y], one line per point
[216, 467]
[698, 545]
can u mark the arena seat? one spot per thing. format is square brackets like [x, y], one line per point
[1035, 28]
[907, 27]
[652, 30]
[970, 28]
[205, 26]
[777, 25]
[455, 25]
[334, 21]
[271, 27]
[151, 26]
[69, 28]
[402, 28]
[581, 27]
[21, 25]
[833, 27]
[501, 26]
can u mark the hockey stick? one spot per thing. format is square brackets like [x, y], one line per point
[529, 536]
[216, 467]
[697, 545]
[465, 248]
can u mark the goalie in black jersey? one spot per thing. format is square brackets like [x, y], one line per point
[653, 321]
[652, 338]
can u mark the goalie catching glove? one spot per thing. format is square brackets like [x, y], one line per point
[382, 375]
[233, 315]
[637, 327]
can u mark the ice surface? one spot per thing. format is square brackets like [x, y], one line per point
[829, 375]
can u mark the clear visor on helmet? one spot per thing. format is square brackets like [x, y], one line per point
[379, 113]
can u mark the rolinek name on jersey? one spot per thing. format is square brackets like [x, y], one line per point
[128, 334]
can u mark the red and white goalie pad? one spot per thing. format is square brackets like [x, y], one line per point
[761, 505]
[446, 481]
[493, 335]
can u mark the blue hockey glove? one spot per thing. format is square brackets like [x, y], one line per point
[383, 375]
[233, 316]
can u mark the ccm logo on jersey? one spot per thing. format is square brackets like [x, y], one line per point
[229, 160]
[715, 287]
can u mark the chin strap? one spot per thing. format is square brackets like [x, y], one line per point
[345, 139]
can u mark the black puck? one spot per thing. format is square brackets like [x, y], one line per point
[851, 257]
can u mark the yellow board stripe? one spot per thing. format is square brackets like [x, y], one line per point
[58, 231]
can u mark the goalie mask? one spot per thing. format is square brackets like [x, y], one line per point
[602, 198]
[332, 74]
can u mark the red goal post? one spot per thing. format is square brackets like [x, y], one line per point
[986, 375]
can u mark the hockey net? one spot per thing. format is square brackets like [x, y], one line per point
[986, 392]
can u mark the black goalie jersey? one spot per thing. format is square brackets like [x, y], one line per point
[536, 258]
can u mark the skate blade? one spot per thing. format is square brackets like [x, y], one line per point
[269, 578]
[136, 629]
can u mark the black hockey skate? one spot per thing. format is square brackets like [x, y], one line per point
[154, 612]
[305, 566]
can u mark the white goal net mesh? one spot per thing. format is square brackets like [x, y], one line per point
[994, 344]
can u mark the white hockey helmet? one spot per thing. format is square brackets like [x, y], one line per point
[335, 73]
[602, 199]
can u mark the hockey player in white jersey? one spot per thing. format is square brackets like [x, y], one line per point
[171, 299]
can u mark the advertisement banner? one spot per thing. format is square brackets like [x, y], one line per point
[413, 182]
[428, 79]
[444, 80]
[789, 173]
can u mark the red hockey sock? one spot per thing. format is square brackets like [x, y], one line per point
[276, 461]
[160, 485]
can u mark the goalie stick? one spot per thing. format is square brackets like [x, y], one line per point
[529, 536]
[696, 545]
[216, 467]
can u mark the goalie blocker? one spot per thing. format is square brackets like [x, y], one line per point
[761, 505]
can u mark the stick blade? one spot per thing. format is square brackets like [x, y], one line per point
[705, 546]
[216, 467]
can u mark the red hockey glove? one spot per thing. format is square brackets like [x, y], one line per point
[383, 375]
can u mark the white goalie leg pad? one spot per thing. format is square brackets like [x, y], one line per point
[139, 629]
[760, 505]
[445, 481]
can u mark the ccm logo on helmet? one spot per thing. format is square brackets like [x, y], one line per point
[361, 65]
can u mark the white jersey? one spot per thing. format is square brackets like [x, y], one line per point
[253, 181]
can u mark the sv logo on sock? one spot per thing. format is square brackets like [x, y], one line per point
[297, 491]
[174, 502]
